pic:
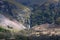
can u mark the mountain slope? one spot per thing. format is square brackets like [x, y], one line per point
[14, 15]
[8, 24]
[48, 12]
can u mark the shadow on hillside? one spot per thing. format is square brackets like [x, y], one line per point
[45, 37]
[42, 37]
[33, 37]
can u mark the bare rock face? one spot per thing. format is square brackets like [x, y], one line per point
[13, 15]
[47, 29]
[6, 23]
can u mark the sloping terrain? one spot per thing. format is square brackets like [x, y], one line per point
[48, 12]
[9, 24]
[13, 15]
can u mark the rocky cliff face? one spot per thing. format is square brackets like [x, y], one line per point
[13, 14]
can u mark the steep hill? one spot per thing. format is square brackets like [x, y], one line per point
[14, 15]
[48, 12]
